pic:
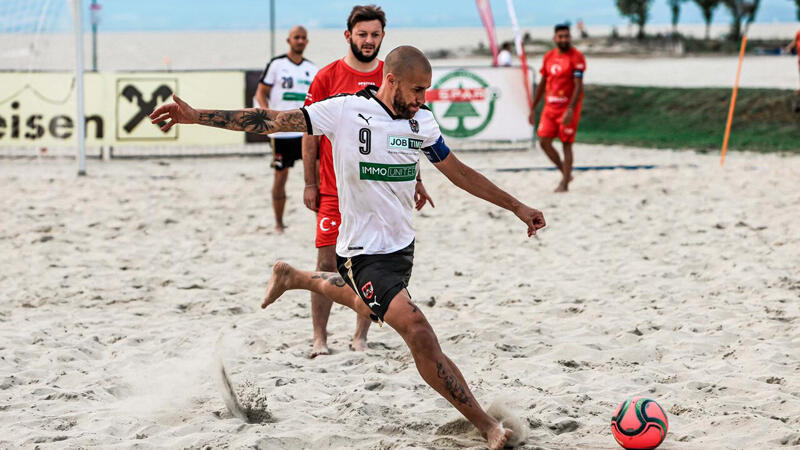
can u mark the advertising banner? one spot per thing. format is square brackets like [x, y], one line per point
[38, 109]
[482, 103]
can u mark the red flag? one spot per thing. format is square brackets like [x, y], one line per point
[520, 50]
[485, 11]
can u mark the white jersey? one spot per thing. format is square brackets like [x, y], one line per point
[289, 83]
[375, 158]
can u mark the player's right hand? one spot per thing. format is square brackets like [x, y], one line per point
[311, 197]
[532, 117]
[178, 112]
[532, 217]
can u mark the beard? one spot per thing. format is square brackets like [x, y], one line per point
[402, 109]
[361, 56]
[564, 46]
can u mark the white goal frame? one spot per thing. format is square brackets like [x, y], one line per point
[77, 14]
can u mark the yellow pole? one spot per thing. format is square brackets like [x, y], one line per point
[733, 101]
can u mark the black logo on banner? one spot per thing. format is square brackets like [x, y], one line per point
[136, 99]
[130, 92]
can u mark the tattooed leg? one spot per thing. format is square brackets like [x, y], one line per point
[329, 284]
[438, 370]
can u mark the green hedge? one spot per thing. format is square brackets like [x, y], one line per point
[689, 118]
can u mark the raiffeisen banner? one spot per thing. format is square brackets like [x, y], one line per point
[38, 109]
[480, 103]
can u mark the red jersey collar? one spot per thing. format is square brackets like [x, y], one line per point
[362, 74]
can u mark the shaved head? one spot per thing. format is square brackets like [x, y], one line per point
[406, 77]
[405, 60]
[297, 40]
[297, 29]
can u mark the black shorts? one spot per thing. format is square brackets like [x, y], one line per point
[378, 278]
[286, 151]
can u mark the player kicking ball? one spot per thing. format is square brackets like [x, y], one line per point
[376, 167]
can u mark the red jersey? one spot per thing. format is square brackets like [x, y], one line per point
[797, 43]
[559, 71]
[337, 78]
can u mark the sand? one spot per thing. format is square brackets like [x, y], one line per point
[679, 283]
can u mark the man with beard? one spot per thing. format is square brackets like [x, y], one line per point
[357, 70]
[562, 80]
[375, 248]
[283, 85]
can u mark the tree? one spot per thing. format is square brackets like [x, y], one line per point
[708, 7]
[638, 11]
[461, 110]
[742, 11]
[798, 8]
[675, 8]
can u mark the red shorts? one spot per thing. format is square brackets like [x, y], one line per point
[328, 220]
[550, 125]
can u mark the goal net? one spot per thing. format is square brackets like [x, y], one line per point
[38, 79]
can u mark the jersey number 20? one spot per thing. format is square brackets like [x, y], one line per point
[365, 137]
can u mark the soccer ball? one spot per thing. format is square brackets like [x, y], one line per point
[639, 423]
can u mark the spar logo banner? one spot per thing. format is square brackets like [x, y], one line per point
[486, 103]
[39, 109]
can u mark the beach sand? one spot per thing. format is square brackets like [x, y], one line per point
[678, 283]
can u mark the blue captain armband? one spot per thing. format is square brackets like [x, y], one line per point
[437, 152]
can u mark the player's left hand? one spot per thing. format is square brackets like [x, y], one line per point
[421, 196]
[567, 118]
[532, 217]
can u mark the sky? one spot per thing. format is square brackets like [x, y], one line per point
[125, 15]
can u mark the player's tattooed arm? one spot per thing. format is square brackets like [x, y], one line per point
[253, 120]
[260, 121]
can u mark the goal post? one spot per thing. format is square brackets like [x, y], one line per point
[77, 12]
[41, 76]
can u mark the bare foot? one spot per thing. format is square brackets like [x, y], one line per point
[280, 228]
[320, 349]
[278, 283]
[561, 188]
[358, 344]
[498, 437]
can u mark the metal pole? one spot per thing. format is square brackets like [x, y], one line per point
[272, 28]
[95, 16]
[81, 128]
